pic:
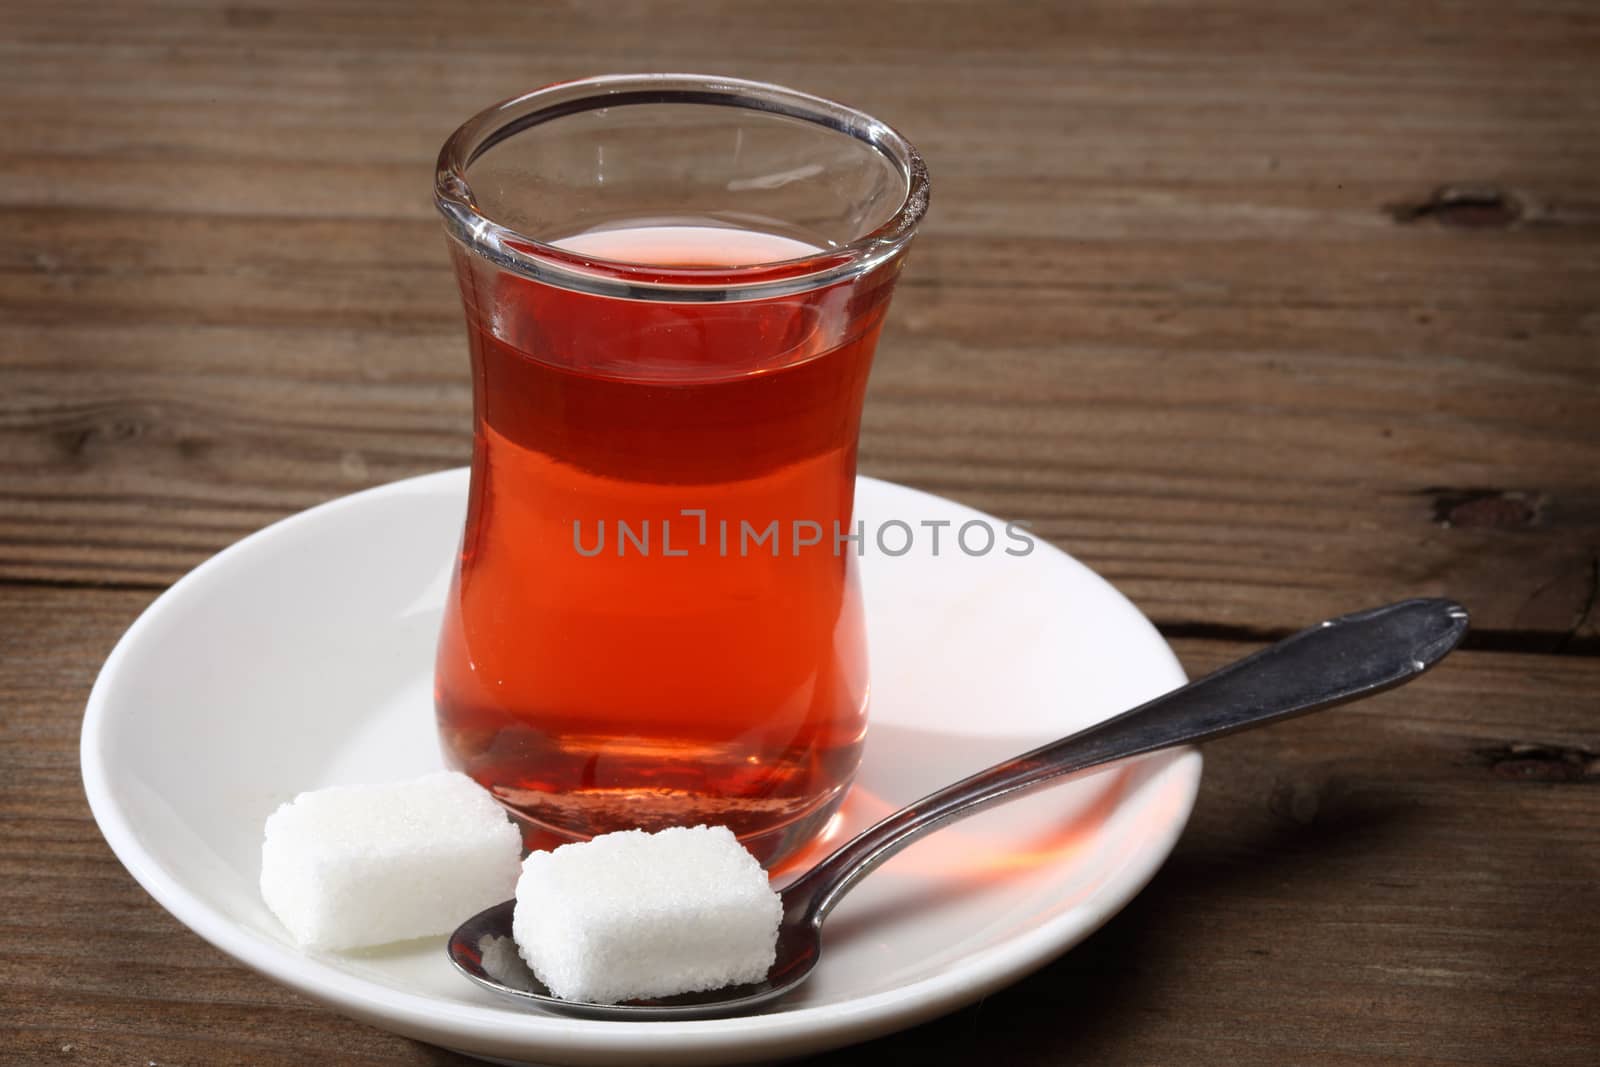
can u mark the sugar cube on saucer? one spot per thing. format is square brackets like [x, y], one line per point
[362, 865]
[631, 915]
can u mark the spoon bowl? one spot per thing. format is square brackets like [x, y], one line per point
[482, 949]
[1335, 662]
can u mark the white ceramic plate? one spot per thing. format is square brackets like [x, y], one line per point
[301, 658]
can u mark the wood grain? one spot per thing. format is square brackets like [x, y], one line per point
[1266, 311]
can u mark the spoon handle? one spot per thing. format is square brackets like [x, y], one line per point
[1337, 661]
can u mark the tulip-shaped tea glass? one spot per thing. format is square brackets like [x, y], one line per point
[673, 287]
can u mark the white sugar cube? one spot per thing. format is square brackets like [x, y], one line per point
[632, 915]
[361, 865]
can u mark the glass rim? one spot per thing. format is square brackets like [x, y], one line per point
[520, 254]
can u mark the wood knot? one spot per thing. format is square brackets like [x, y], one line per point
[76, 443]
[1473, 207]
[1298, 801]
[1493, 509]
[1525, 762]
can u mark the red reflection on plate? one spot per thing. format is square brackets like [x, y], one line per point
[963, 854]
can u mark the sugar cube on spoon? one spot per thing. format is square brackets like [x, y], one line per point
[632, 915]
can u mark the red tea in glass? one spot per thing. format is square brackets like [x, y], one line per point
[673, 287]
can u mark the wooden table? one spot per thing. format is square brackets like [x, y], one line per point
[1264, 312]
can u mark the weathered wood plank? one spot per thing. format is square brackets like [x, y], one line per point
[1208, 468]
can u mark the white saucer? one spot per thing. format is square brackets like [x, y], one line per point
[301, 657]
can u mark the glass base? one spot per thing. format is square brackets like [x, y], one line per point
[770, 845]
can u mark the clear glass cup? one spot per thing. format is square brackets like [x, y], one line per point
[673, 287]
